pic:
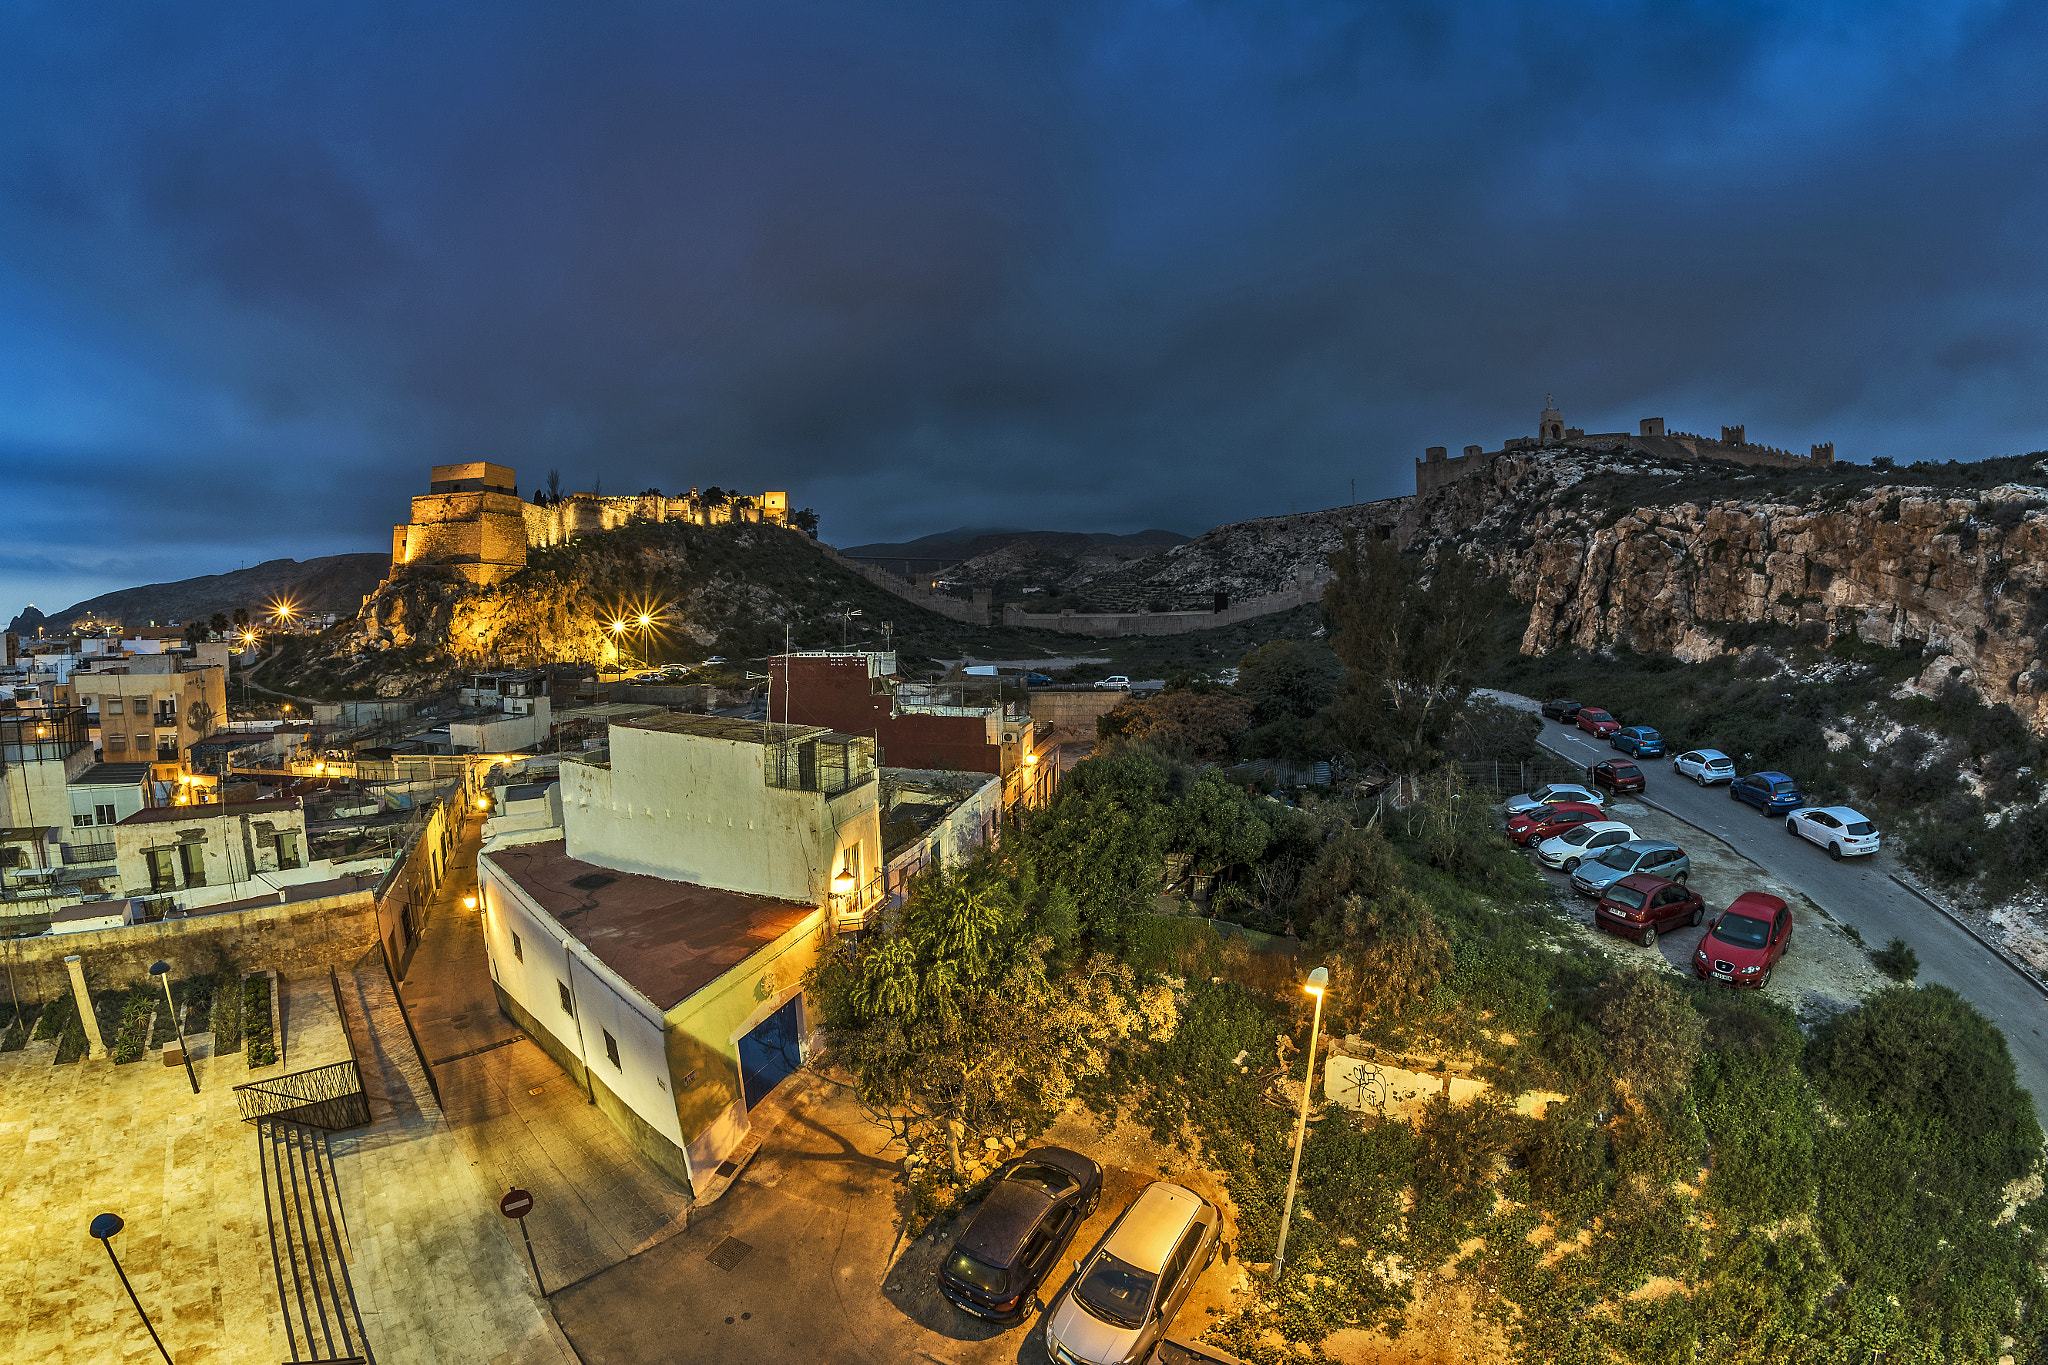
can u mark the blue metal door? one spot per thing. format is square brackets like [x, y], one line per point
[771, 1051]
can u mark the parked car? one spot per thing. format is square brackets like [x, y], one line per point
[1652, 856]
[1563, 709]
[1838, 829]
[1537, 825]
[1595, 722]
[1641, 906]
[1551, 794]
[1037, 680]
[1638, 741]
[1771, 793]
[1567, 850]
[1118, 683]
[1123, 1296]
[715, 659]
[1746, 941]
[1704, 766]
[1032, 1210]
[1617, 775]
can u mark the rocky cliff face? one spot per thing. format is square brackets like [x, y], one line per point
[1664, 559]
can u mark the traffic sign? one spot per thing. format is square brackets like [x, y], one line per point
[516, 1204]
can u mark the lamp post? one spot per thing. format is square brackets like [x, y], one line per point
[1318, 982]
[162, 972]
[104, 1226]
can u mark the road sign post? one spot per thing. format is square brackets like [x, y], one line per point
[516, 1204]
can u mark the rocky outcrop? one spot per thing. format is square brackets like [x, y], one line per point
[1601, 560]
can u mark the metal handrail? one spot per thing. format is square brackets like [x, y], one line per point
[315, 1085]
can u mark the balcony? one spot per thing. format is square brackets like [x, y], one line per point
[851, 910]
[87, 855]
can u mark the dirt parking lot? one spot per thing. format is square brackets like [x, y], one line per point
[1826, 970]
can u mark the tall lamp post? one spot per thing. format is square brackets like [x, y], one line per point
[162, 972]
[104, 1226]
[1318, 982]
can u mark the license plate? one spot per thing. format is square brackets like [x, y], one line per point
[1723, 976]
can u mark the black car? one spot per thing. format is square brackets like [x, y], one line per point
[1563, 709]
[1030, 1215]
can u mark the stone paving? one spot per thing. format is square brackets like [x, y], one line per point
[93, 1137]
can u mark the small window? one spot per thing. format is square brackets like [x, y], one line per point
[568, 1004]
[81, 822]
[118, 743]
[113, 706]
[611, 1049]
[518, 949]
[104, 815]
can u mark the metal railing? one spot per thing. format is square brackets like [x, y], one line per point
[329, 1097]
[78, 854]
[1507, 778]
[853, 907]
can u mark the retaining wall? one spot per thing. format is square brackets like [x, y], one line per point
[971, 613]
[1165, 622]
[293, 940]
[1075, 710]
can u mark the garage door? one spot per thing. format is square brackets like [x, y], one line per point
[771, 1051]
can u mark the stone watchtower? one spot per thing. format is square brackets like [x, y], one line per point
[471, 520]
[1550, 427]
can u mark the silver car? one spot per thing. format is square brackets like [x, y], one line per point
[1582, 842]
[1653, 856]
[1704, 766]
[1550, 795]
[1122, 1299]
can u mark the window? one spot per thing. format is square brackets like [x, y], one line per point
[611, 1049]
[193, 856]
[104, 815]
[287, 850]
[113, 706]
[163, 875]
[568, 1003]
[518, 949]
[81, 822]
[117, 743]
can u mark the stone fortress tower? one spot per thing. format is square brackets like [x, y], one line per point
[1439, 467]
[472, 520]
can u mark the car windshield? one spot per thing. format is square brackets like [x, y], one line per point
[1742, 931]
[987, 1278]
[1051, 1179]
[1859, 827]
[1781, 788]
[1620, 859]
[1727, 763]
[1627, 770]
[1627, 897]
[1646, 734]
[1592, 713]
[1115, 1291]
[1577, 836]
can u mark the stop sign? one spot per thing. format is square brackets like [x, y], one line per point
[516, 1204]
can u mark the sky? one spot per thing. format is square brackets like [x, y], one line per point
[1090, 266]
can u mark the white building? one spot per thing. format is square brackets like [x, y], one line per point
[655, 943]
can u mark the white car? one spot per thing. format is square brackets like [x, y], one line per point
[1551, 795]
[1842, 832]
[1704, 766]
[1581, 842]
[1119, 683]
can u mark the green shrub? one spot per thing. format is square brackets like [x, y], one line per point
[58, 1016]
[1896, 960]
[260, 1047]
[132, 1037]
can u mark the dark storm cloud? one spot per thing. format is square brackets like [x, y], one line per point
[1103, 265]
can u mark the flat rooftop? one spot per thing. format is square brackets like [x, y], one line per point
[112, 775]
[667, 939]
[736, 730]
[213, 810]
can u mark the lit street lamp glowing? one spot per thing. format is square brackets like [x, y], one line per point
[1318, 982]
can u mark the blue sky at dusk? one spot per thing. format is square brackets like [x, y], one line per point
[1097, 266]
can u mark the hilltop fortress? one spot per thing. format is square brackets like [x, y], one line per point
[472, 520]
[1438, 467]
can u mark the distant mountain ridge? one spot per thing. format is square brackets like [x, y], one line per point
[336, 583]
[970, 542]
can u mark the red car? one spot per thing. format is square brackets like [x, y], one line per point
[1617, 775]
[1640, 905]
[1595, 722]
[1551, 821]
[1745, 941]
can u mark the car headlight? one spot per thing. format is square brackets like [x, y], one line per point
[1700, 953]
[1752, 970]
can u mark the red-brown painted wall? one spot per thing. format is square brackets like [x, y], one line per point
[838, 694]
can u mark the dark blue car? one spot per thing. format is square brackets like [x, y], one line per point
[1638, 741]
[1771, 793]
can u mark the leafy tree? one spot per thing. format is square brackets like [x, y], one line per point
[1652, 1032]
[1102, 839]
[1288, 678]
[554, 489]
[805, 520]
[1198, 724]
[953, 1026]
[1487, 730]
[219, 623]
[241, 618]
[1410, 641]
[1217, 826]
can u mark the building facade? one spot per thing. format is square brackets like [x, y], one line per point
[150, 708]
[655, 941]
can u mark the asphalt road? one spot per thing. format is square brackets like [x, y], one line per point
[1858, 892]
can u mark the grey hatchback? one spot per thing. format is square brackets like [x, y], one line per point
[1653, 856]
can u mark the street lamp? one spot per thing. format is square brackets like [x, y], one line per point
[1318, 982]
[103, 1227]
[162, 972]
